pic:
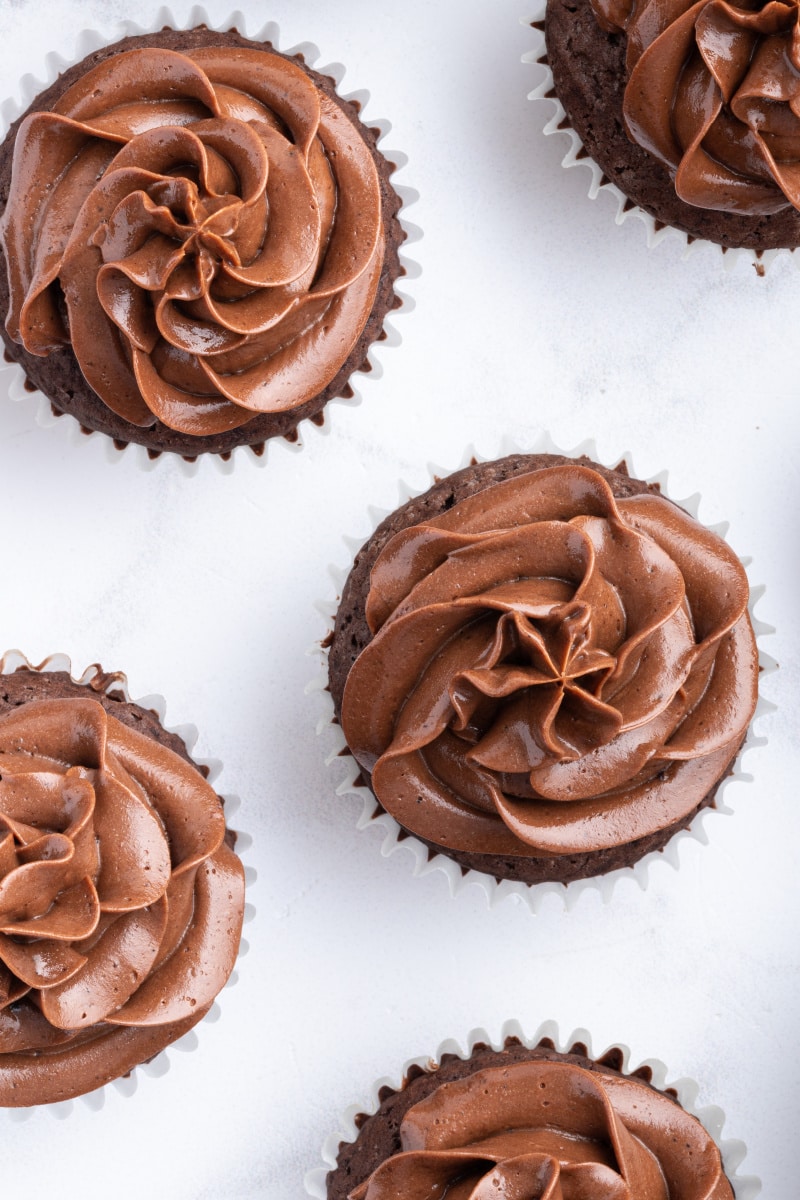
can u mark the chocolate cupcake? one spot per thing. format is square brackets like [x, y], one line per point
[543, 668]
[200, 242]
[690, 110]
[530, 1122]
[121, 897]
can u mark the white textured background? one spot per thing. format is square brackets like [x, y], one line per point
[533, 310]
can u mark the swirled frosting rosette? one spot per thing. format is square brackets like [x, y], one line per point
[205, 230]
[549, 678]
[121, 901]
[690, 107]
[531, 1124]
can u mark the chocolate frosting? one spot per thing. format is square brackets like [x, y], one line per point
[713, 92]
[120, 902]
[204, 230]
[544, 1130]
[553, 670]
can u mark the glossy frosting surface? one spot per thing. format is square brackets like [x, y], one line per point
[203, 229]
[713, 91]
[120, 903]
[545, 1130]
[552, 670]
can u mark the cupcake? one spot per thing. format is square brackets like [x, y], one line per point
[689, 109]
[121, 898]
[200, 242]
[531, 1123]
[543, 667]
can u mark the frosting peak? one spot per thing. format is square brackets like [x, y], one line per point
[553, 670]
[120, 903]
[713, 92]
[203, 229]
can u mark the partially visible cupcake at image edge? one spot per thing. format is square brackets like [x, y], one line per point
[543, 668]
[121, 896]
[690, 109]
[532, 1123]
[199, 241]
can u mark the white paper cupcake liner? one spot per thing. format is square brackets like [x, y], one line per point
[712, 1118]
[575, 156]
[116, 682]
[349, 782]
[361, 381]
